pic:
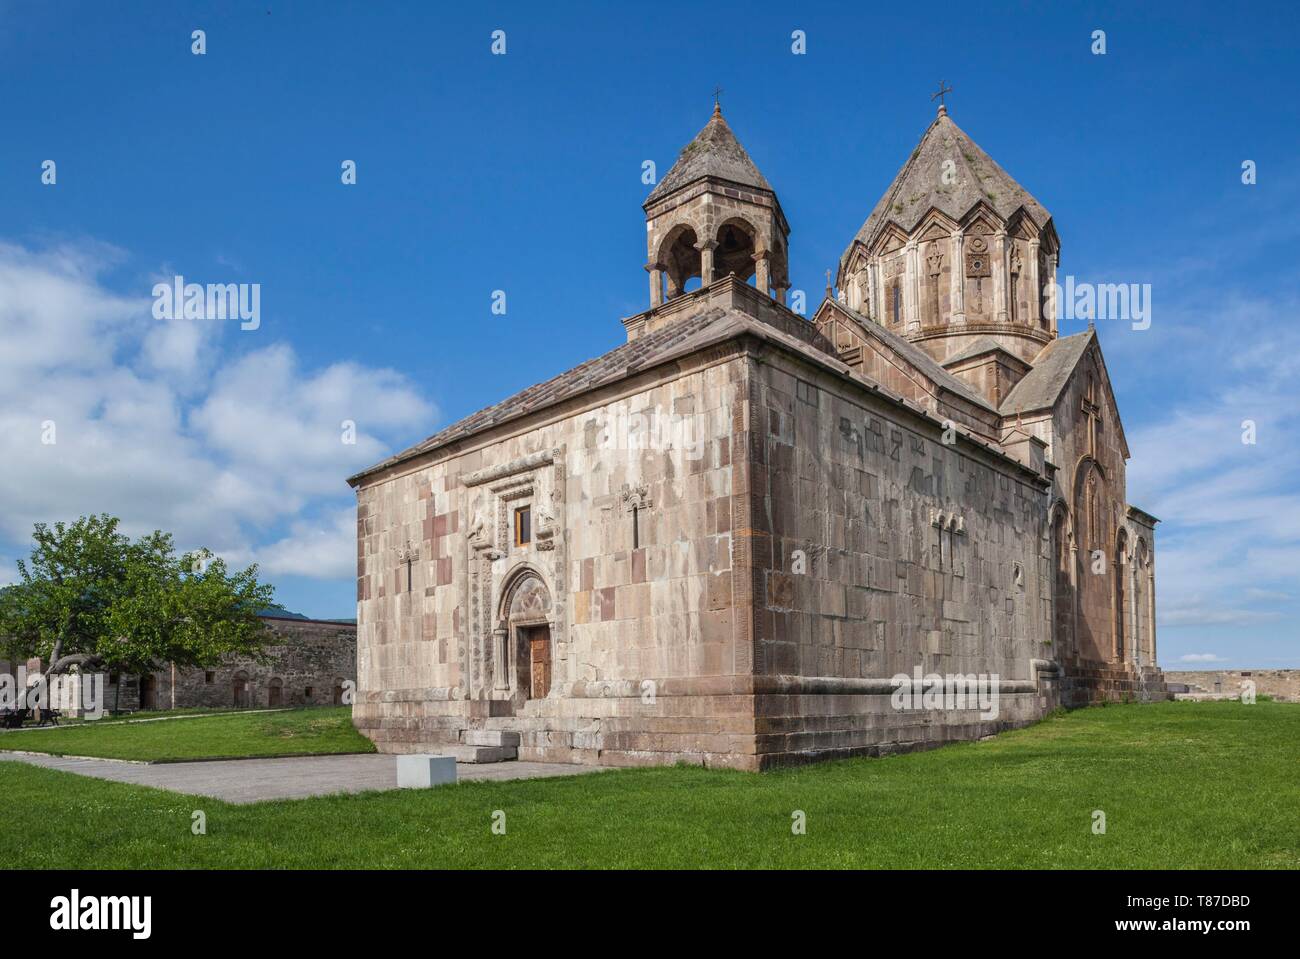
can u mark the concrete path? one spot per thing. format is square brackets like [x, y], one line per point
[254, 780]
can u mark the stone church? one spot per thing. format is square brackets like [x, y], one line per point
[725, 540]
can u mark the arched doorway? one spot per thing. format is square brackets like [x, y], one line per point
[148, 692]
[338, 692]
[240, 689]
[523, 662]
[275, 692]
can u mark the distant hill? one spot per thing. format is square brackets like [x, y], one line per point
[279, 612]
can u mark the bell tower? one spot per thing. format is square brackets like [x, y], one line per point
[714, 214]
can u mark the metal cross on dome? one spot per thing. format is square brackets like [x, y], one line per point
[940, 93]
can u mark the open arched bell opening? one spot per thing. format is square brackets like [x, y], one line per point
[680, 256]
[736, 249]
[522, 652]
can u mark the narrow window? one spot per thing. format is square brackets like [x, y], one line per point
[896, 302]
[636, 527]
[208, 677]
[523, 526]
[307, 692]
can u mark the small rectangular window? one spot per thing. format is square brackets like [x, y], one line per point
[807, 392]
[523, 526]
[209, 677]
[307, 692]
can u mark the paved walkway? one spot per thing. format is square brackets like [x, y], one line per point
[254, 780]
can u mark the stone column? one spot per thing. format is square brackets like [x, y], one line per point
[958, 278]
[1001, 276]
[656, 284]
[780, 294]
[1054, 301]
[1151, 605]
[873, 291]
[912, 284]
[762, 271]
[706, 248]
[1035, 301]
[500, 657]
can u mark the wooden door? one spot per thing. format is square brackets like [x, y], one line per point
[539, 647]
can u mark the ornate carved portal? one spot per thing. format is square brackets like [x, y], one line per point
[515, 592]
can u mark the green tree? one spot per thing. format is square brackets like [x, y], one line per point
[91, 598]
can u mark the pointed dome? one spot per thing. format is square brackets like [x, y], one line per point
[715, 152]
[975, 177]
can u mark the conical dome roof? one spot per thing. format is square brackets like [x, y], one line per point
[974, 177]
[715, 152]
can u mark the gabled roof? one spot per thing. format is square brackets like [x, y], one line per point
[985, 344]
[715, 152]
[915, 356]
[617, 363]
[973, 178]
[1042, 385]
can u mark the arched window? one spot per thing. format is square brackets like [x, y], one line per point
[1121, 596]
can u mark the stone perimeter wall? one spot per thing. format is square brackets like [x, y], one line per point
[1282, 684]
[305, 655]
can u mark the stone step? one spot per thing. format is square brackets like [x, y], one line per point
[490, 737]
[479, 754]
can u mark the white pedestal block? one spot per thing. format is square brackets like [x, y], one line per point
[420, 771]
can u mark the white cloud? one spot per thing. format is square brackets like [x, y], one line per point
[1229, 546]
[322, 550]
[1201, 658]
[159, 423]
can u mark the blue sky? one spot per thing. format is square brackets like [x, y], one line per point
[523, 173]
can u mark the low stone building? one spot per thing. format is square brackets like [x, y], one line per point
[1281, 684]
[723, 541]
[310, 663]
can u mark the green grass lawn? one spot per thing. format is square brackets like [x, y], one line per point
[229, 735]
[141, 715]
[1183, 785]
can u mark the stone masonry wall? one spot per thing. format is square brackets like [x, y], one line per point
[633, 539]
[311, 659]
[1281, 684]
[915, 553]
